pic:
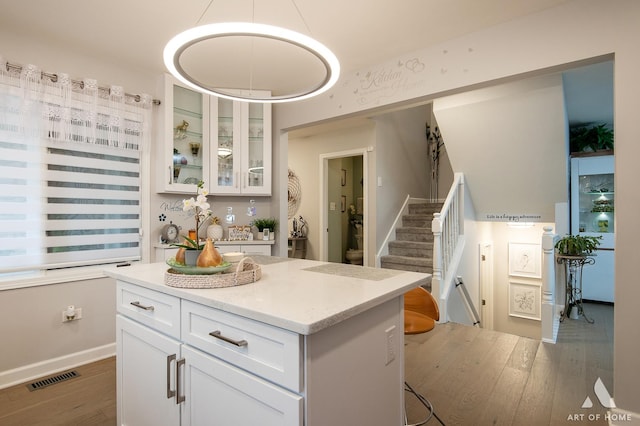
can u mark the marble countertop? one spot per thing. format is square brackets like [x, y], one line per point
[303, 296]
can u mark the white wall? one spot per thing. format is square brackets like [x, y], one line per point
[509, 141]
[304, 159]
[402, 165]
[35, 341]
[557, 38]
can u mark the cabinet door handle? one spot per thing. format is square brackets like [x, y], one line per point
[180, 393]
[218, 335]
[170, 175]
[170, 393]
[146, 308]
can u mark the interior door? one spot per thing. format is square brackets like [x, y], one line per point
[334, 213]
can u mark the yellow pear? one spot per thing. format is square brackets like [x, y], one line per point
[180, 256]
[210, 256]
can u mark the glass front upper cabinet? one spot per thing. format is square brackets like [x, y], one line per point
[596, 203]
[593, 197]
[225, 143]
[255, 146]
[187, 133]
[226, 155]
[241, 158]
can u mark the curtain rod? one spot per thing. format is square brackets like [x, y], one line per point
[54, 78]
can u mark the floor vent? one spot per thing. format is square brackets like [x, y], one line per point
[43, 383]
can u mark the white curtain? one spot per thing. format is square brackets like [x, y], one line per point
[69, 170]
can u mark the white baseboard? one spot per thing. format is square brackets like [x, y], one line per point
[45, 368]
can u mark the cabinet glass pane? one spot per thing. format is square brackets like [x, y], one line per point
[187, 135]
[224, 155]
[256, 145]
[596, 203]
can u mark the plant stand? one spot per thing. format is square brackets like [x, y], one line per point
[573, 282]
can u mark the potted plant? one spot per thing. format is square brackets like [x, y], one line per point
[577, 245]
[590, 138]
[270, 223]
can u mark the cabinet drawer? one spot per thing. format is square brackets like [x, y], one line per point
[154, 309]
[269, 352]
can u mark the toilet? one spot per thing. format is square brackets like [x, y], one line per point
[354, 256]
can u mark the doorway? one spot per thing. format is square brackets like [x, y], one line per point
[343, 207]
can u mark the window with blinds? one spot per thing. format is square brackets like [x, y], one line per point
[69, 191]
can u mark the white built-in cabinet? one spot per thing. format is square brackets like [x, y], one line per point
[181, 363]
[225, 143]
[241, 147]
[185, 159]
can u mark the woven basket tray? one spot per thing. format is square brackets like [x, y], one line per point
[247, 272]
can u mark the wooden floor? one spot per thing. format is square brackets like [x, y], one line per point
[480, 377]
[472, 376]
[87, 400]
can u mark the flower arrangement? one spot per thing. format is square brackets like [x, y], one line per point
[202, 211]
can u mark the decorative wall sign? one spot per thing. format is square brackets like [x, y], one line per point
[239, 232]
[511, 217]
[524, 300]
[525, 260]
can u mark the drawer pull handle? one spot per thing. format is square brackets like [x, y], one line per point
[146, 308]
[218, 335]
[180, 398]
[170, 393]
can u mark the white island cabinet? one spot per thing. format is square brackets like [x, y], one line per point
[311, 344]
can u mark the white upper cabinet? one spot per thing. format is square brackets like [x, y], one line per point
[241, 151]
[225, 143]
[186, 135]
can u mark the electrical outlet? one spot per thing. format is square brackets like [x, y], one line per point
[391, 344]
[77, 315]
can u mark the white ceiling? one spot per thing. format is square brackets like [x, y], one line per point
[133, 33]
[359, 32]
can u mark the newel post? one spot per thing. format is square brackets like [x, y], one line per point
[550, 318]
[436, 280]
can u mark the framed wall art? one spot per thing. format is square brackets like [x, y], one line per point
[524, 300]
[525, 260]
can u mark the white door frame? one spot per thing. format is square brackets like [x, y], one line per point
[324, 200]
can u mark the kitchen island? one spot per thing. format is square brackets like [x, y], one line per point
[311, 343]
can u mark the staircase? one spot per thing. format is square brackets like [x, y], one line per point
[412, 250]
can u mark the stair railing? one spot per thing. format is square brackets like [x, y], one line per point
[384, 248]
[448, 233]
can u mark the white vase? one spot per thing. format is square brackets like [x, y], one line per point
[215, 232]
